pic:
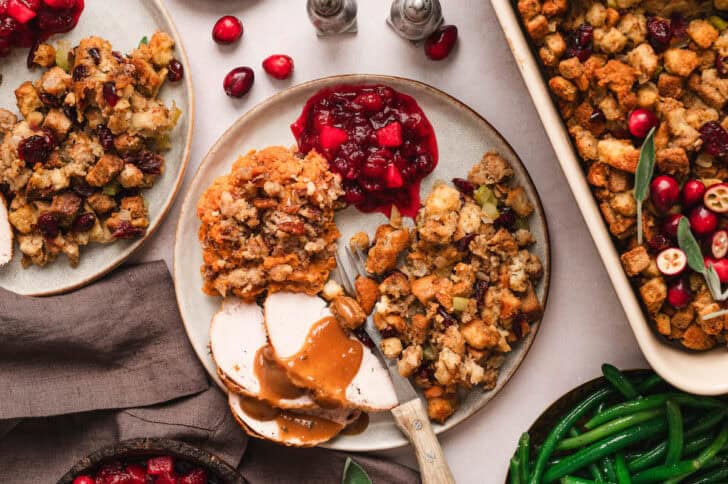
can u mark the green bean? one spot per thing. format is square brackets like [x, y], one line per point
[623, 476]
[620, 382]
[649, 383]
[558, 432]
[593, 469]
[717, 470]
[609, 428]
[696, 444]
[609, 470]
[575, 480]
[603, 448]
[652, 456]
[693, 445]
[683, 468]
[675, 438]
[515, 475]
[653, 401]
[524, 445]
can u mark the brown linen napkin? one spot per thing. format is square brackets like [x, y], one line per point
[112, 362]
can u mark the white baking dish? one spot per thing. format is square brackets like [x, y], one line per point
[703, 373]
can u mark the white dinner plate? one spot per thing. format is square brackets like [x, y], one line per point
[124, 29]
[463, 137]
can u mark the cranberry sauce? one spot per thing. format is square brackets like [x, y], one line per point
[377, 139]
[27, 23]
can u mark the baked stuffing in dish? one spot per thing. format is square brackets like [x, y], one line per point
[616, 70]
[73, 169]
[463, 292]
[269, 225]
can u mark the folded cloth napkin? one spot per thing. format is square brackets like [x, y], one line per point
[112, 362]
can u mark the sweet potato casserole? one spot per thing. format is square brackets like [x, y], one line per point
[269, 225]
[464, 292]
[89, 142]
[616, 70]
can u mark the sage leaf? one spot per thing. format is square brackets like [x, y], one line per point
[144, 41]
[643, 177]
[354, 474]
[690, 246]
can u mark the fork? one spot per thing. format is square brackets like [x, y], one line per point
[410, 415]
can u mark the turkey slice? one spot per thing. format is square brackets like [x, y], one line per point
[289, 319]
[237, 334]
[299, 428]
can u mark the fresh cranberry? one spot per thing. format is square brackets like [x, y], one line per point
[48, 225]
[195, 476]
[671, 224]
[664, 192]
[227, 29]
[660, 242]
[110, 95]
[720, 266]
[464, 186]
[34, 149]
[239, 81]
[106, 137]
[60, 4]
[84, 222]
[175, 71]
[659, 33]
[641, 121]
[84, 480]
[157, 466]
[580, 42]
[679, 295]
[279, 66]
[715, 138]
[441, 42]
[702, 221]
[692, 193]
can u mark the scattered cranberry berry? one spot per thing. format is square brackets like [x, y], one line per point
[441, 42]
[35, 149]
[580, 42]
[227, 30]
[679, 295]
[715, 138]
[692, 193]
[464, 186]
[279, 66]
[664, 192]
[659, 33]
[641, 121]
[84, 222]
[48, 225]
[669, 228]
[702, 221]
[239, 81]
[110, 95]
[720, 266]
[176, 71]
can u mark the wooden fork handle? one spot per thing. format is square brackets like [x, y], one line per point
[412, 420]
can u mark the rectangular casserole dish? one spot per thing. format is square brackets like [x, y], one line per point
[704, 373]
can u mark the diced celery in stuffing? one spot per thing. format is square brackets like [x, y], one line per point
[460, 303]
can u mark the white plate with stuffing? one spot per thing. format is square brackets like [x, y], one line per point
[463, 136]
[140, 19]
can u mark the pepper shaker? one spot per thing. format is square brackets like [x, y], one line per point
[415, 19]
[331, 17]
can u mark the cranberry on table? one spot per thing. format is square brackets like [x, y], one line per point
[692, 193]
[227, 30]
[702, 221]
[641, 121]
[239, 81]
[279, 66]
[441, 42]
[664, 192]
[679, 295]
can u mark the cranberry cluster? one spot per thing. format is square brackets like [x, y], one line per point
[155, 470]
[25, 23]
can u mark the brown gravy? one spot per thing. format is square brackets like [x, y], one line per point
[274, 382]
[306, 428]
[328, 361]
[358, 426]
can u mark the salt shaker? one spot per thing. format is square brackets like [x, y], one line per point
[331, 17]
[415, 19]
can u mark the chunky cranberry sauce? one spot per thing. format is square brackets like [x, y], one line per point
[376, 138]
[25, 23]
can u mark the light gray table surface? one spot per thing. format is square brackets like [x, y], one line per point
[584, 324]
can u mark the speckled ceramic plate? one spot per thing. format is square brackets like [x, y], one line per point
[463, 136]
[135, 19]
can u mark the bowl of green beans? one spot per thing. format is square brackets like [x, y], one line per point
[626, 428]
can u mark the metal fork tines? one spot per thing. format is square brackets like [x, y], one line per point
[402, 386]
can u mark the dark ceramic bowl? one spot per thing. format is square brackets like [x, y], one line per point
[218, 470]
[546, 421]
